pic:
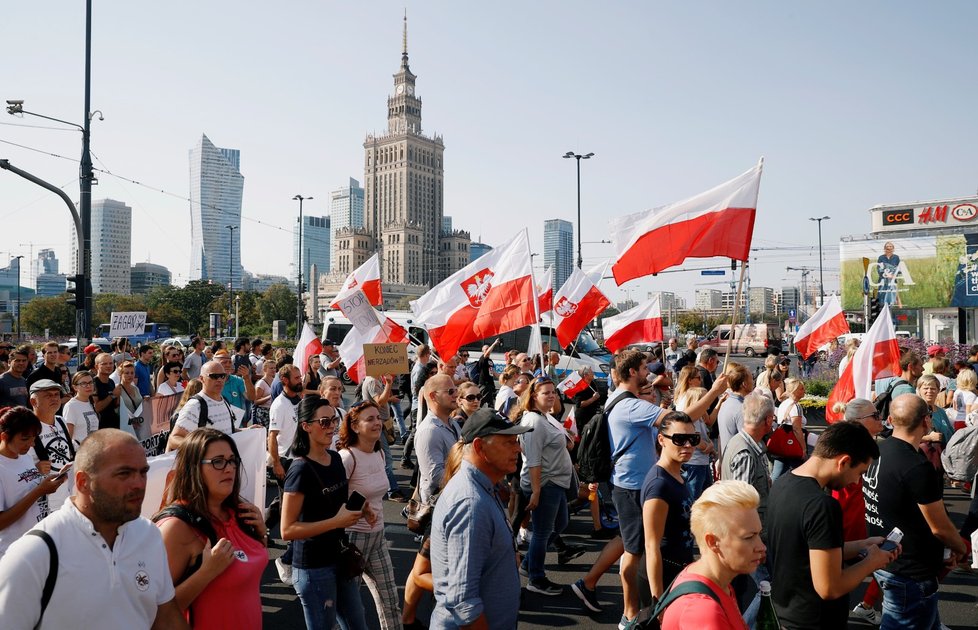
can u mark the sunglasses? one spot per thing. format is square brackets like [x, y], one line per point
[684, 439]
[220, 463]
[451, 392]
[217, 377]
[471, 397]
[175, 371]
[324, 422]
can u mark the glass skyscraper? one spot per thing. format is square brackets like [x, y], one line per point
[558, 249]
[316, 238]
[216, 187]
[345, 210]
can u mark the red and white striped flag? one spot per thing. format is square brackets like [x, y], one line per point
[825, 325]
[878, 356]
[309, 345]
[718, 222]
[366, 277]
[572, 385]
[492, 295]
[642, 324]
[351, 349]
[576, 303]
[545, 290]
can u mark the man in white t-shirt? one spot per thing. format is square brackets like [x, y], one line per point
[219, 413]
[112, 566]
[54, 438]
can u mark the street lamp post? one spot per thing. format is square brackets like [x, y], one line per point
[231, 229]
[579, 157]
[298, 308]
[237, 311]
[18, 259]
[821, 284]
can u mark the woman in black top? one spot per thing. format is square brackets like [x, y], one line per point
[314, 515]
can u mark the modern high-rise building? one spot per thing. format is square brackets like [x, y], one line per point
[707, 299]
[316, 237]
[446, 225]
[45, 263]
[558, 249]
[111, 247]
[147, 276]
[761, 300]
[216, 188]
[790, 299]
[345, 210]
[50, 284]
[403, 202]
[478, 249]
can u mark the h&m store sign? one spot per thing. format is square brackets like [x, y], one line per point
[941, 214]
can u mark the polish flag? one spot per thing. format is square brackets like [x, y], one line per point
[366, 277]
[545, 290]
[576, 304]
[492, 295]
[825, 325]
[308, 346]
[572, 385]
[718, 222]
[641, 324]
[878, 356]
[351, 349]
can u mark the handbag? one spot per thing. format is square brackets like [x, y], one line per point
[784, 444]
[419, 513]
[350, 562]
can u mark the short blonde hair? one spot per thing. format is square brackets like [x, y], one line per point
[710, 510]
[967, 380]
[791, 385]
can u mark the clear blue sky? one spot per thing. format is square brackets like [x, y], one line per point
[852, 105]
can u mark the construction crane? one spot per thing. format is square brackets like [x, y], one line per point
[805, 271]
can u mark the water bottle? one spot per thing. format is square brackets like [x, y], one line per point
[767, 619]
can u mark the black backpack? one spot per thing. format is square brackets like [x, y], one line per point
[882, 402]
[594, 460]
[202, 420]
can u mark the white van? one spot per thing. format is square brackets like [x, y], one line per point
[336, 326]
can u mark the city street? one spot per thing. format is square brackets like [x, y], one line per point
[959, 595]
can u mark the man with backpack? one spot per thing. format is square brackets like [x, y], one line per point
[217, 411]
[632, 432]
[911, 368]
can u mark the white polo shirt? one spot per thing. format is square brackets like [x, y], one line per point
[219, 415]
[283, 417]
[97, 587]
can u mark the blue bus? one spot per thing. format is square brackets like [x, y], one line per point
[152, 332]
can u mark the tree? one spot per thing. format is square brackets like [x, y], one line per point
[107, 303]
[53, 313]
[194, 301]
[278, 302]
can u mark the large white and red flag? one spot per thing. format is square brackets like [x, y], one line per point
[825, 325]
[309, 345]
[351, 348]
[545, 290]
[576, 303]
[489, 296]
[878, 356]
[366, 277]
[642, 324]
[572, 385]
[718, 222]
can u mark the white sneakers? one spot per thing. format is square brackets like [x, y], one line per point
[868, 615]
[284, 572]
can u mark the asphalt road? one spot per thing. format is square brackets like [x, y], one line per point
[958, 604]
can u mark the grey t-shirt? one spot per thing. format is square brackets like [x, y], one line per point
[13, 391]
[372, 388]
[193, 364]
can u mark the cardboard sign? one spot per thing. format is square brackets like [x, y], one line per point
[127, 324]
[358, 310]
[385, 358]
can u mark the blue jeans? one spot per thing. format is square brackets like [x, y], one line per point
[388, 464]
[402, 429]
[698, 478]
[781, 466]
[908, 603]
[327, 600]
[549, 518]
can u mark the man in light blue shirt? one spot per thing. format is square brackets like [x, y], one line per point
[473, 555]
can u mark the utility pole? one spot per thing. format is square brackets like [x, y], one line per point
[298, 308]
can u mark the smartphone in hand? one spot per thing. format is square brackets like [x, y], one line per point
[64, 471]
[892, 540]
[356, 501]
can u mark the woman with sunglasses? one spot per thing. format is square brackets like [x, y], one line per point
[171, 384]
[363, 459]
[217, 583]
[314, 515]
[546, 475]
[697, 472]
[79, 413]
[469, 400]
[666, 502]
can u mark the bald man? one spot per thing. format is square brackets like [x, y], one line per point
[436, 434]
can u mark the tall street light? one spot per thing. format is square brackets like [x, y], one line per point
[579, 157]
[821, 284]
[18, 259]
[231, 229]
[298, 308]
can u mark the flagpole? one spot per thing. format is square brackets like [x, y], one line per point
[733, 316]
[536, 298]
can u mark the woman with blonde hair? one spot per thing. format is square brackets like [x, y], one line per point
[697, 472]
[791, 412]
[770, 381]
[851, 346]
[505, 396]
[964, 397]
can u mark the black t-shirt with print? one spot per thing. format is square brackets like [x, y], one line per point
[893, 487]
[800, 517]
[317, 505]
[677, 541]
[108, 418]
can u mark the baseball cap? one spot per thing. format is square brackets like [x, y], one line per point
[657, 368]
[44, 384]
[933, 350]
[90, 348]
[328, 342]
[486, 422]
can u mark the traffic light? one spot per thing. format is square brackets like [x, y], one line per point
[874, 310]
[76, 294]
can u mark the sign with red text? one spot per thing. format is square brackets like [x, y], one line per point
[950, 213]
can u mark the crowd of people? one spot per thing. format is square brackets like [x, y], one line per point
[691, 497]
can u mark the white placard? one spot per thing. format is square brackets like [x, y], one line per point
[358, 310]
[127, 324]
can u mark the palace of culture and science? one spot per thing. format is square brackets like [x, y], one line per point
[403, 205]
